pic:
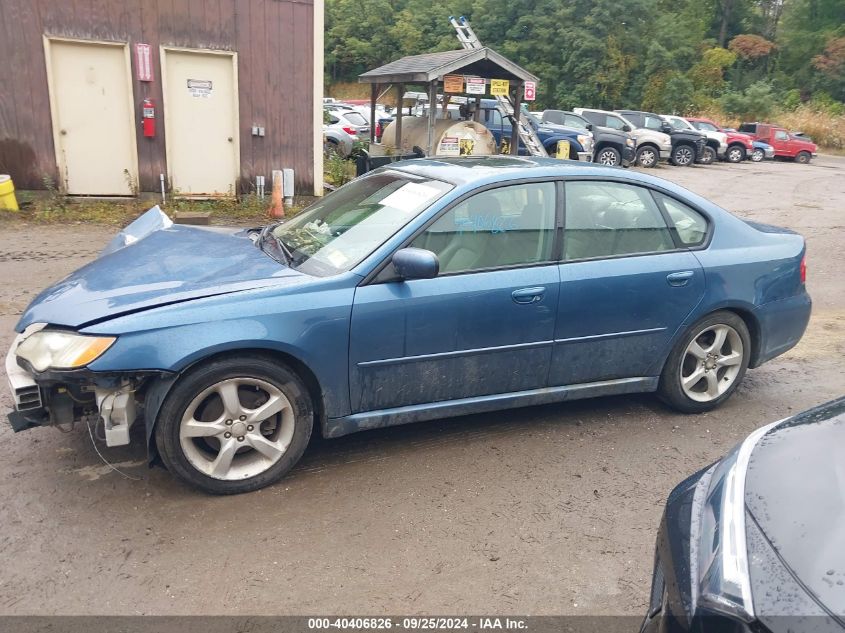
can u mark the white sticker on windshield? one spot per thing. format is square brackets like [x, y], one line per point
[336, 259]
[410, 197]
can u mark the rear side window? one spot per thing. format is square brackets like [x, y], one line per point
[690, 226]
[355, 118]
[608, 219]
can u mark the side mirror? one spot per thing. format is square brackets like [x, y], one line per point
[589, 127]
[416, 263]
[626, 128]
[666, 128]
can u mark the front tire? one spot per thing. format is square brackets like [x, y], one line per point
[235, 424]
[803, 158]
[609, 157]
[707, 364]
[736, 154]
[683, 155]
[647, 156]
[709, 156]
[758, 155]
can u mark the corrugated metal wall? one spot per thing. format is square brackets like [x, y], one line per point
[274, 40]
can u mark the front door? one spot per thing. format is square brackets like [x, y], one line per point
[200, 104]
[628, 281]
[483, 326]
[91, 95]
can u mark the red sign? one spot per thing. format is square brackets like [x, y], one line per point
[530, 91]
[144, 62]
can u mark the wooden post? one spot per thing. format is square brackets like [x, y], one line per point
[277, 208]
[432, 115]
[373, 97]
[517, 112]
[400, 94]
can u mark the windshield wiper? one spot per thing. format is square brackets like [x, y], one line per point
[266, 232]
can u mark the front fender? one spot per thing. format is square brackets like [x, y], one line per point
[308, 325]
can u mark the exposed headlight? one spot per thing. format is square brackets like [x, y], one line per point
[584, 140]
[630, 142]
[62, 350]
[722, 556]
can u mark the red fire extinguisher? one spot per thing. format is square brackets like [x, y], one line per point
[148, 118]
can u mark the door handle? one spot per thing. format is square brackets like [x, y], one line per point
[679, 279]
[528, 295]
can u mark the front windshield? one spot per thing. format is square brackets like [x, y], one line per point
[338, 232]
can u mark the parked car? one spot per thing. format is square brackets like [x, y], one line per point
[785, 143]
[761, 151]
[350, 120]
[651, 146]
[687, 145]
[739, 145]
[354, 314]
[580, 140]
[755, 541]
[338, 140]
[716, 147]
[610, 146]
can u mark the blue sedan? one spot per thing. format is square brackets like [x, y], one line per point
[426, 289]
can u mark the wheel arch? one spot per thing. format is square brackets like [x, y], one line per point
[743, 312]
[156, 391]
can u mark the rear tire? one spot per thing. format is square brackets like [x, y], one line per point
[803, 158]
[707, 363]
[235, 424]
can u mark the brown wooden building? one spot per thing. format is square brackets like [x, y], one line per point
[235, 88]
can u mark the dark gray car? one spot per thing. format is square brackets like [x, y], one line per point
[756, 542]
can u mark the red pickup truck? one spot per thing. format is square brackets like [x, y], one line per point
[785, 143]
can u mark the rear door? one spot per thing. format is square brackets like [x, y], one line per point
[628, 281]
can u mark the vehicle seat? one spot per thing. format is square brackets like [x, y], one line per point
[479, 241]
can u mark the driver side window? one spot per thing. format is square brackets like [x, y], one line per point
[507, 226]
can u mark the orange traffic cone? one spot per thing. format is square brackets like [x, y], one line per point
[277, 209]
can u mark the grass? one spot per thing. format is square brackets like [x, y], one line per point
[50, 207]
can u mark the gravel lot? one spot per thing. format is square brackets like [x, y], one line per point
[546, 510]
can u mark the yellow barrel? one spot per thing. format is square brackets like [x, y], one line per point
[7, 193]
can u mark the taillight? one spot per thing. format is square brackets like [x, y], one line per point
[804, 269]
[350, 130]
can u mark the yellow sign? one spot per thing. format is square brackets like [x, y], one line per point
[499, 87]
[562, 150]
[453, 83]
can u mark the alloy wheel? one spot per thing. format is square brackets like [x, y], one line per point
[711, 363]
[647, 158]
[237, 428]
[684, 156]
[757, 155]
[735, 155]
[608, 158]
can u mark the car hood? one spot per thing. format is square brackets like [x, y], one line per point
[795, 490]
[145, 268]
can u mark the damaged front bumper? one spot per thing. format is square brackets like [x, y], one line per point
[55, 397]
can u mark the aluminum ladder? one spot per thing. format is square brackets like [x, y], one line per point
[469, 40]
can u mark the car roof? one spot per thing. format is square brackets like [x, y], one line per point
[481, 170]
